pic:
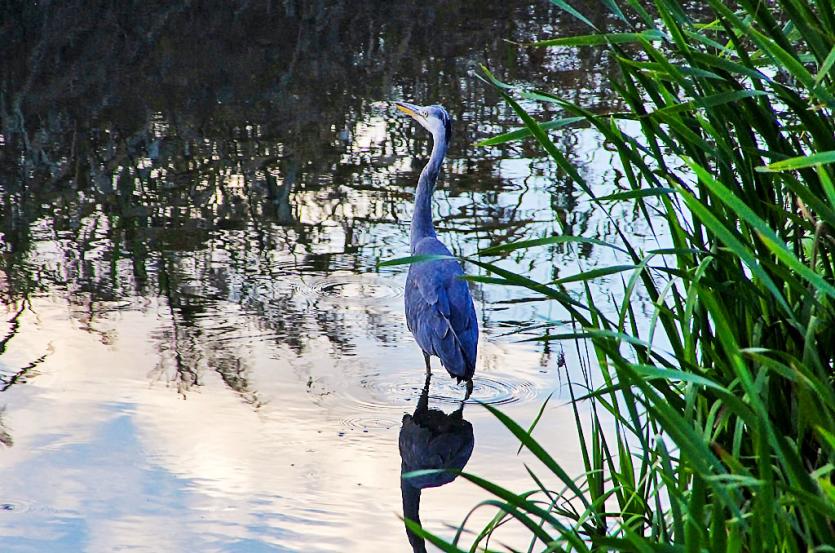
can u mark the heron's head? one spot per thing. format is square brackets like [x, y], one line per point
[435, 119]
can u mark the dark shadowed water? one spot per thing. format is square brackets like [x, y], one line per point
[198, 350]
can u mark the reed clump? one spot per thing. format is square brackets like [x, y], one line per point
[726, 442]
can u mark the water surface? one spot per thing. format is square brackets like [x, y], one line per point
[199, 351]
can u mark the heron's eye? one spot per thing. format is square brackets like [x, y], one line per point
[424, 113]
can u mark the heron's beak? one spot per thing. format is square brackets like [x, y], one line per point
[409, 109]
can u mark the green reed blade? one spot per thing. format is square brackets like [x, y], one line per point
[601, 39]
[568, 9]
[525, 132]
[536, 242]
[800, 162]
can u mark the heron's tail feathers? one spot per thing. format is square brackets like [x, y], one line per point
[458, 368]
[454, 356]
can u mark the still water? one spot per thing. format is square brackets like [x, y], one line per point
[198, 350]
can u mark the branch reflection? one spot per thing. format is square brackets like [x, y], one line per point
[251, 174]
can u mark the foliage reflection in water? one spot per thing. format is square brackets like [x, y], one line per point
[200, 352]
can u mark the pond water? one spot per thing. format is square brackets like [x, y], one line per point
[199, 351]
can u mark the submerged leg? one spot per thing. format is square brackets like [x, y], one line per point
[469, 390]
[423, 402]
[426, 359]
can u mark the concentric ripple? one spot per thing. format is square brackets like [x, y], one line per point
[368, 423]
[348, 288]
[489, 389]
[383, 391]
[13, 505]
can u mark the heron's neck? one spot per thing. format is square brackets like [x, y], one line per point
[422, 219]
[411, 511]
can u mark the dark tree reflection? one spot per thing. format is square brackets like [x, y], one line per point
[201, 152]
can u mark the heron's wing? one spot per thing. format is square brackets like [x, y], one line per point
[442, 314]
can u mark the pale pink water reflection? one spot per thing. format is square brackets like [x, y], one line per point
[304, 459]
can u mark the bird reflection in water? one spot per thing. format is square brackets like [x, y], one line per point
[431, 439]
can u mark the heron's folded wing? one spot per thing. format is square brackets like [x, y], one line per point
[448, 314]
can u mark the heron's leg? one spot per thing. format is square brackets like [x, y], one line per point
[428, 368]
[469, 390]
